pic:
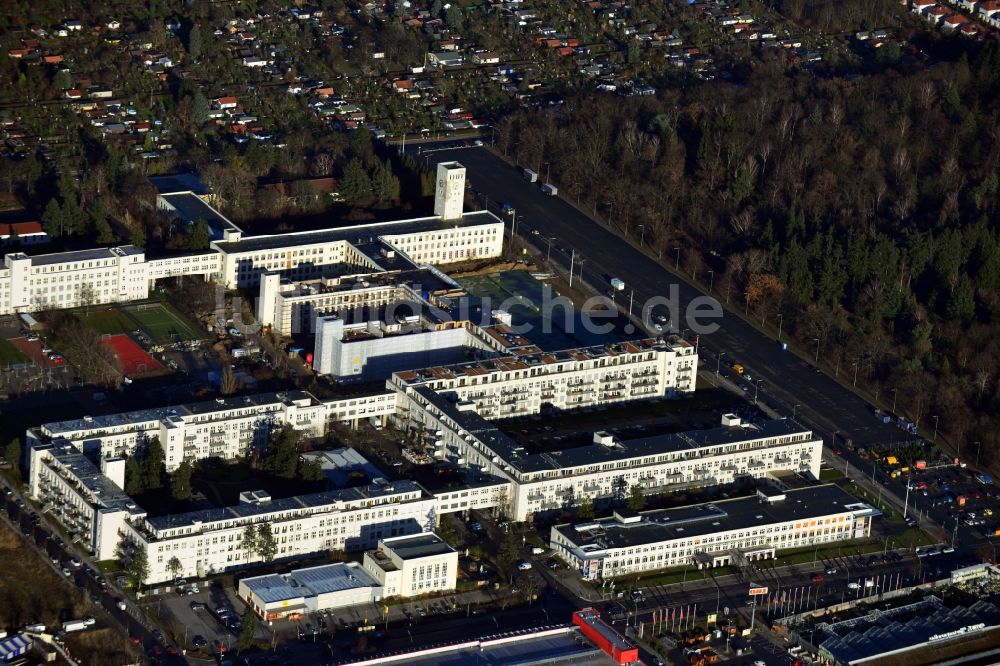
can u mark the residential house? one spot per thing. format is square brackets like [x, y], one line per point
[937, 14]
[954, 21]
[26, 233]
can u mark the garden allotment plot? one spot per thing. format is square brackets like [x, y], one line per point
[161, 323]
[522, 296]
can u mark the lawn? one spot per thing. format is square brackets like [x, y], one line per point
[10, 354]
[827, 474]
[107, 322]
[163, 323]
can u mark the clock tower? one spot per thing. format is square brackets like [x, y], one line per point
[449, 195]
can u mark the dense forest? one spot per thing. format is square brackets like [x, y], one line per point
[863, 210]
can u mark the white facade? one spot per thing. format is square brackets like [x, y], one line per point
[90, 506]
[310, 590]
[413, 565]
[449, 195]
[730, 532]
[210, 541]
[226, 428]
[71, 279]
[367, 351]
[609, 467]
[571, 379]
[121, 274]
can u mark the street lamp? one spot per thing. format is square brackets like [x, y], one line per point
[711, 283]
[794, 407]
[934, 439]
[816, 340]
[855, 373]
[677, 264]
[546, 172]
[894, 401]
[642, 234]
[548, 255]
[718, 361]
[756, 389]
[781, 320]
[746, 310]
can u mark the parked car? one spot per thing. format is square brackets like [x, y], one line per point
[523, 566]
[197, 606]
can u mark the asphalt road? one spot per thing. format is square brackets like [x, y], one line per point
[822, 400]
[787, 382]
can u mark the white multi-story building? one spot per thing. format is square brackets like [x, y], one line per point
[211, 541]
[124, 273]
[360, 249]
[607, 469]
[69, 279]
[89, 502]
[224, 428]
[531, 380]
[409, 566]
[730, 532]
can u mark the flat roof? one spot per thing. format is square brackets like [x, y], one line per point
[93, 254]
[310, 582]
[56, 428]
[297, 503]
[711, 518]
[593, 620]
[104, 493]
[191, 208]
[356, 234]
[415, 546]
[900, 631]
[514, 454]
[555, 645]
[533, 357]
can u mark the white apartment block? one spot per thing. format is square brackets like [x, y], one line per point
[608, 468]
[123, 273]
[353, 519]
[527, 382]
[360, 249]
[69, 279]
[730, 532]
[89, 502]
[226, 428]
[409, 566]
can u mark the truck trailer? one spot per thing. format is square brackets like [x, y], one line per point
[73, 625]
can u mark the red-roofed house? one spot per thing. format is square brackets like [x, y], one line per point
[922, 6]
[954, 22]
[937, 13]
[989, 8]
[970, 30]
[27, 233]
[73, 93]
[226, 103]
[18, 53]
[52, 59]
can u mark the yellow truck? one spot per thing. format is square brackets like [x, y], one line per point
[737, 368]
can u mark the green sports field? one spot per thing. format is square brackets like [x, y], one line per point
[107, 322]
[163, 323]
